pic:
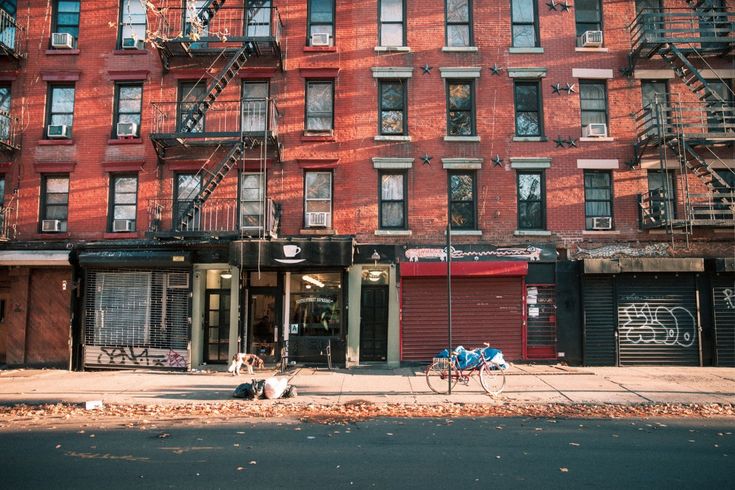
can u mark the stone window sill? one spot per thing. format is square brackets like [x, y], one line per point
[465, 232]
[473, 139]
[460, 49]
[590, 50]
[320, 49]
[606, 139]
[306, 137]
[383, 49]
[393, 232]
[531, 233]
[530, 138]
[392, 138]
[600, 232]
[536, 50]
[58, 142]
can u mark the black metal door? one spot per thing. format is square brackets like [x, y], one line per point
[217, 326]
[724, 308]
[658, 320]
[374, 323]
[599, 321]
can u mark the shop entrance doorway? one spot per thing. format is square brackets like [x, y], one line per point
[263, 322]
[374, 323]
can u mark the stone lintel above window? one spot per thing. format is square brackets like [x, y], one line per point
[527, 72]
[530, 163]
[392, 163]
[392, 71]
[460, 71]
[598, 164]
[593, 73]
[462, 163]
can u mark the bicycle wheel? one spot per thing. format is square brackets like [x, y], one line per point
[437, 376]
[492, 379]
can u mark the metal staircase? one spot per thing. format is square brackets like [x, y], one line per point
[213, 179]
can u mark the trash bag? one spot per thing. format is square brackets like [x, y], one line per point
[244, 390]
[274, 388]
[258, 387]
[290, 392]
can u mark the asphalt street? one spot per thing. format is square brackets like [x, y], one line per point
[493, 453]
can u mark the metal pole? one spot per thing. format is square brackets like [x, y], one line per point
[449, 296]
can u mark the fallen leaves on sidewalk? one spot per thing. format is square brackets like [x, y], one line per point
[142, 415]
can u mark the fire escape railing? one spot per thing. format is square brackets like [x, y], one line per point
[11, 38]
[9, 135]
[9, 219]
[216, 215]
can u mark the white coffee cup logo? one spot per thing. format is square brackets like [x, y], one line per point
[291, 250]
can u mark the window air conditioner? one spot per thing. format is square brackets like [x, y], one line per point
[126, 129]
[320, 39]
[317, 219]
[132, 43]
[591, 39]
[51, 225]
[602, 223]
[58, 131]
[595, 130]
[123, 225]
[62, 40]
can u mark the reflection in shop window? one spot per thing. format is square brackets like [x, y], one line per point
[316, 304]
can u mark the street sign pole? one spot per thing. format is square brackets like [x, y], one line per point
[449, 294]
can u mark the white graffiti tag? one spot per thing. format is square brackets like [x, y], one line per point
[662, 325]
[729, 297]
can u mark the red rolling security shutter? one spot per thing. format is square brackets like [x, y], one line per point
[484, 309]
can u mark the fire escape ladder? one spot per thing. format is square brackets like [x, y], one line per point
[195, 114]
[700, 168]
[208, 10]
[216, 175]
[691, 77]
[700, 4]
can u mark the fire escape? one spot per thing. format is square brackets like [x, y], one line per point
[201, 124]
[697, 128]
[12, 52]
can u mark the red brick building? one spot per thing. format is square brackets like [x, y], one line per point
[202, 178]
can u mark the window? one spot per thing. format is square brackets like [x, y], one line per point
[593, 101]
[460, 108]
[392, 32]
[7, 36]
[459, 26]
[123, 202]
[255, 106]
[321, 22]
[525, 27]
[133, 21]
[597, 196]
[316, 307]
[259, 18]
[318, 199]
[193, 25]
[663, 194]
[60, 106]
[529, 117]
[66, 17]
[721, 203]
[588, 16]
[190, 93]
[2, 191]
[55, 201]
[392, 200]
[128, 106]
[654, 92]
[462, 200]
[187, 188]
[5, 119]
[531, 201]
[393, 107]
[720, 113]
[251, 200]
[320, 105]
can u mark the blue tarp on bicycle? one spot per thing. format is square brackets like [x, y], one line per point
[471, 358]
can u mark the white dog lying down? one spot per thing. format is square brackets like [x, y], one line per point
[249, 360]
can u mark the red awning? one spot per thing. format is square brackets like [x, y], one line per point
[464, 269]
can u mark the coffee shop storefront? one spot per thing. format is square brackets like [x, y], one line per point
[293, 297]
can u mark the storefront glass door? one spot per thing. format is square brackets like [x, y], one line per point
[263, 321]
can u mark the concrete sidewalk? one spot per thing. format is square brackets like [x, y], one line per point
[526, 383]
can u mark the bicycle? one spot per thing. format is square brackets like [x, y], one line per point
[492, 376]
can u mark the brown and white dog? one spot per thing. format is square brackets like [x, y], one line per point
[248, 360]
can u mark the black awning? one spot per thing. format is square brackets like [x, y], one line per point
[135, 258]
[292, 253]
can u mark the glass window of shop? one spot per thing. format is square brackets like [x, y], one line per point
[316, 304]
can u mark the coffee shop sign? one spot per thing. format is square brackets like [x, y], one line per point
[524, 253]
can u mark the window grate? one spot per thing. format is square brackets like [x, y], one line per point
[136, 309]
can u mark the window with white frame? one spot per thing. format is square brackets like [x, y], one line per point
[318, 199]
[320, 105]
[251, 200]
[133, 21]
[459, 23]
[392, 30]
